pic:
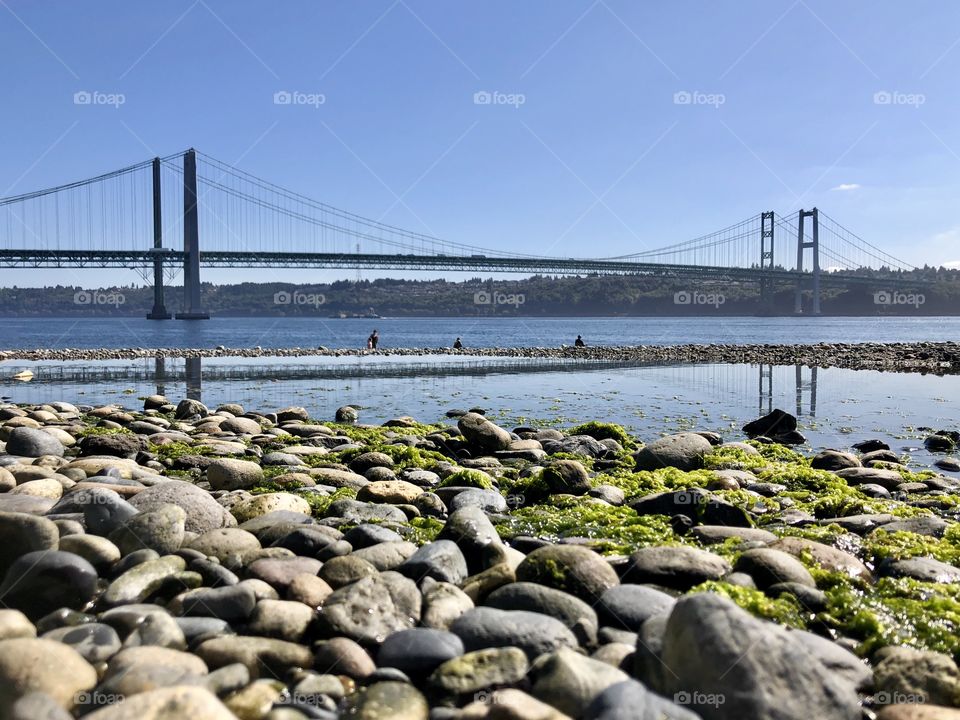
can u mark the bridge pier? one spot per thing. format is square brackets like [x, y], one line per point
[159, 311]
[192, 308]
[802, 244]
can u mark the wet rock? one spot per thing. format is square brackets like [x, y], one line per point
[263, 657]
[573, 612]
[534, 633]
[482, 432]
[775, 424]
[14, 624]
[701, 507]
[230, 474]
[42, 581]
[372, 608]
[717, 649]
[419, 651]
[573, 569]
[768, 567]
[140, 582]
[679, 567]
[160, 530]
[182, 701]
[629, 606]
[95, 642]
[281, 619]
[443, 603]
[683, 450]
[566, 476]
[570, 681]
[630, 700]
[233, 603]
[203, 512]
[22, 533]
[38, 665]
[343, 656]
[389, 701]
[925, 569]
[928, 676]
[472, 531]
[440, 560]
[479, 670]
[33, 442]
[834, 460]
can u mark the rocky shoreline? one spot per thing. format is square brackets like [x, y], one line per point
[928, 357]
[175, 560]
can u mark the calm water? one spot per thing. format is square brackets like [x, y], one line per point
[836, 407]
[475, 332]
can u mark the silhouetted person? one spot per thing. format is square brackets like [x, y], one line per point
[373, 340]
[579, 342]
[457, 345]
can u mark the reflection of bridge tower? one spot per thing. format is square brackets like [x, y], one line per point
[192, 372]
[765, 390]
[811, 386]
[814, 244]
[194, 383]
[160, 374]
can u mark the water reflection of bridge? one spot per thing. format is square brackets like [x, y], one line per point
[187, 376]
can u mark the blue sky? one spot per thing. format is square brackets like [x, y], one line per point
[602, 157]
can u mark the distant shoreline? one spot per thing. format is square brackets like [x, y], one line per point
[934, 357]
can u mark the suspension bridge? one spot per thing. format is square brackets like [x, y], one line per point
[221, 216]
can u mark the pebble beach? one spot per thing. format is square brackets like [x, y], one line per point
[171, 560]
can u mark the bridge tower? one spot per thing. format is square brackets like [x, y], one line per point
[159, 311]
[767, 224]
[192, 309]
[802, 244]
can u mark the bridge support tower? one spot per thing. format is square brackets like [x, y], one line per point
[802, 244]
[192, 308]
[767, 224]
[159, 311]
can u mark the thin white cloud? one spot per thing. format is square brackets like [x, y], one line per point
[846, 187]
[952, 265]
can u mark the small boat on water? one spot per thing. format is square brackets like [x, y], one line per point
[24, 375]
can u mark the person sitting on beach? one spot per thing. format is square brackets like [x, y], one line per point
[457, 345]
[373, 340]
[579, 342]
